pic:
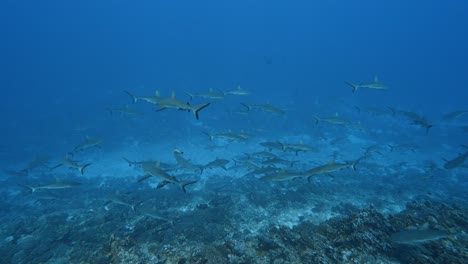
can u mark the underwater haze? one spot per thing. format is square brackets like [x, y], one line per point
[234, 131]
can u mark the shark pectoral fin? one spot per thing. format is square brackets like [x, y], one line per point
[160, 109]
[81, 169]
[197, 109]
[144, 177]
[185, 183]
[330, 175]
[56, 166]
[162, 184]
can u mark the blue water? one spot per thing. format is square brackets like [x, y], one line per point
[63, 63]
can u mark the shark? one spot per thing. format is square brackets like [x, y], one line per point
[454, 115]
[166, 178]
[237, 91]
[174, 103]
[459, 161]
[417, 120]
[67, 161]
[40, 161]
[336, 120]
[88, 143]
[298, 147]
[264, 107]
[228, 136]
[117, 199]
[149, 99]
[415, 236]
[329, 168]
[273, 145]
[183, 162]
[217, 163]
[375, 85]
[126, 110]
[211, 94]
[282, 175]
[52, 186]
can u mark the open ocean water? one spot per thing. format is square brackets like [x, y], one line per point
[233, 131]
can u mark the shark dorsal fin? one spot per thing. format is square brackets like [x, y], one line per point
[376, 79]
[239, 88]
[211, 90]
[331, 161]
[158, 164]
[173, 94]
[301, 142]
[156, 93]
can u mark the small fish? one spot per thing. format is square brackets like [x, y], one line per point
[375, 85]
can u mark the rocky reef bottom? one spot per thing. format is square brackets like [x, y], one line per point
[363, 236]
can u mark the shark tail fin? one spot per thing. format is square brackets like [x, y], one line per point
[81, 168]
[182, 184]
[247, 106]
[31, 189]
[355, 87]
[427, 128]
[317, 118]
[134, 98]
[189, 94]
[134, 206]
[353, 165]
[128, 161]
[197, 109]
[210, 136]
